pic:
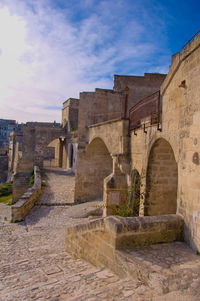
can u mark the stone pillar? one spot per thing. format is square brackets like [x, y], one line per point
[115, 188]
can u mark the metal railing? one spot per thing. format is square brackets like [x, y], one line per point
[192, 38]
[146, 112]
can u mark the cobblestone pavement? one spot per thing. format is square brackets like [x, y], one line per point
[35, 266]
[59, 187]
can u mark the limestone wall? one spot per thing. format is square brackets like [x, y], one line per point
[94, 162]
[25, 203]
[180, 128]
[17, 211]
[70, 114]
[97, 241]
[113, 133]
[96, 107]
[139, 86]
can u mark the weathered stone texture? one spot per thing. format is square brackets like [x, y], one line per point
[70, 114]
[139, 86]
[94, 165]
[97, 241]
[180, 127]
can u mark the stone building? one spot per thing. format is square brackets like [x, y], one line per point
[6, 127]
[143, 133]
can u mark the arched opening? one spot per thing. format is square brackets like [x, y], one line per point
[51, 158]
[161, 180]
[71, 157]
[98, 166]
[134, 196]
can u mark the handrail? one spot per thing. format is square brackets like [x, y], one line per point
[192, 38]
[146, 112]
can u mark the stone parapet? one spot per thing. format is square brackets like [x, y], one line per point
[21, 208]
[98, 241]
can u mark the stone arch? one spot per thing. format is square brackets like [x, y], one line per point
[56, 154]
[161, 180]
[51, 158]
[135, 193]
[99, 166]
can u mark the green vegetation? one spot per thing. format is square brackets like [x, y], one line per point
[6, 199]
[5, 189]
[31, 179]
[6, 194]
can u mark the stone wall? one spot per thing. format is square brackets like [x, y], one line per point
[26, 202]
[113, 133]
[96, 107]
[139, 86]
[94, 164]
[18, 211]
[180, 94]
[97, 241]
[70, 114]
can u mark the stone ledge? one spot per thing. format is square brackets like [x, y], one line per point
[119, 225]
[98, 241]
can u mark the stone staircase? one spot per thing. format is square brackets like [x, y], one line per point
[148, 249]
[100, 240]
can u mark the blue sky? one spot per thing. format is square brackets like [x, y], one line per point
[51, 50]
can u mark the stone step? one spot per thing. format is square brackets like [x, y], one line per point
[110, 241]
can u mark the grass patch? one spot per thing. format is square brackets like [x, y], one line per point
[5, 189]
[6, 199]
[31, 179]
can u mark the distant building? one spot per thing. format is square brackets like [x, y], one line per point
[6, 127]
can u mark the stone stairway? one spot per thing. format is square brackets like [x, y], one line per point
[146, 249]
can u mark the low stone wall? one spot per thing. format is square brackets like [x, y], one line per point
[97, 241]
[21, 208]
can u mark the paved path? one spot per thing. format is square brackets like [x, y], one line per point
[59, 187]
[35, 266]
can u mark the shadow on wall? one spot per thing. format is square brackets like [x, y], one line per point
[161, 180]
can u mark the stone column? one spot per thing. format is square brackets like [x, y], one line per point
[115, 188]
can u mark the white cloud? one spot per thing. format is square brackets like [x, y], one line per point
[46, 58]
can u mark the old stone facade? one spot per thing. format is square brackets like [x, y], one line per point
[144, 132]
[162, 150]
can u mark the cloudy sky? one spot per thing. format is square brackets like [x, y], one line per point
[51, 50]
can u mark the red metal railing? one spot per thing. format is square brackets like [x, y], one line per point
[146, 112]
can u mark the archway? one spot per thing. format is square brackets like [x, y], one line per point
[98, 166]
[71, 156]
[161, 180]
[51, 158]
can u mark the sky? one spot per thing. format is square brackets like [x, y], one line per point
[51, 50]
